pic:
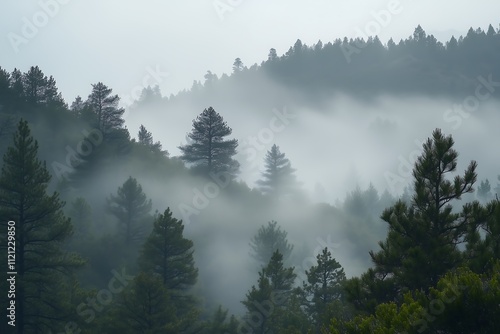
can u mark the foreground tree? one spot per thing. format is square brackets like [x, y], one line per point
[460, 302]
[267, 302]
[131, 207]
[323, 289]
[43, 268]
[144, 307]
[269, 239]
[208, 150]
[422, 242]
[167, 254]
[278, 177]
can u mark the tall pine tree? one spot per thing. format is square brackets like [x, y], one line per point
[41, 228]
[209, 151]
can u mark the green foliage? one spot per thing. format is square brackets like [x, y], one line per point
[266, 304]
[323, 288]
[104, 108]
[269, 239]
[461, 302]
[208, 150]
[144, 307]
[423, 238]
[131, 207]
[40, 230]
[278, 178]
[168, 255]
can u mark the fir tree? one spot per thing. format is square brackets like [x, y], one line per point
[42, 267]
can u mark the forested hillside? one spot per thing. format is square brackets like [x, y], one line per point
[106, 230]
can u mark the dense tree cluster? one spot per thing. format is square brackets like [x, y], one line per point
[106, 262]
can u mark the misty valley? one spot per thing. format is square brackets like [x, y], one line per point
[349, 186]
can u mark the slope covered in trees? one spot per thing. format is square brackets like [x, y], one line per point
[135, 240]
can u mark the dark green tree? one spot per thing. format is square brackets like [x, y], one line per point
[43, 267]
[278, 177]
[169, 255]
[266, 302]
[144, 307]
[423, 238]
[269, 239]
[323, 289]
[131, 207]
[104, 107]
[145, 138]
[208, 150]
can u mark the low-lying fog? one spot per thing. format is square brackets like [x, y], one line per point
[349, 144]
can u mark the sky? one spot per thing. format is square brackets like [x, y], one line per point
[131, 44]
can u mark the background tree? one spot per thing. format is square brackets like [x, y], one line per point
[43, 268]
[104, 107]
[237, 65]
[323, 289]
[169, 255]
[144, 307]
[131, 207]
[484, 191]
[269, 239]
[145, 138]
[423, 237]
[208, 150]
[278, 177]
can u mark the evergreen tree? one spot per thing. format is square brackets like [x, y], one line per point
[484, 191]
[145, 138]
[208, 150]
[144, 307]
[42, 267]
[278, 178]
[131, 207]
[81, 216]
[266, 302]
[169, 255]
[237, 65]
[423, 238]
[269, 239]
[104, 107]
[324, 288]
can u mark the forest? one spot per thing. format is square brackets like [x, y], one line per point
[107, 229]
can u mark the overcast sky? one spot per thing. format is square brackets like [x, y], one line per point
[119, 42]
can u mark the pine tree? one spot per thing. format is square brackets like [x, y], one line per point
[41, 228]
[131, 207]
[269, 239]
[237, 65]
[422, 242]
[145, 138]
[104, 107]
[278, 178]
[484, 191]
[324, 287]
[144, 307]
[266, 302]
[169, 255]
[208, 150]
